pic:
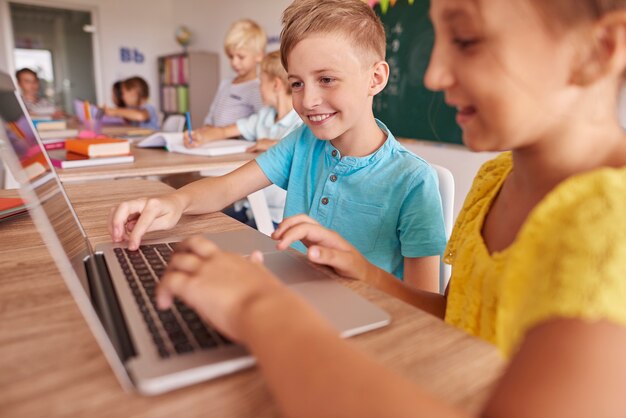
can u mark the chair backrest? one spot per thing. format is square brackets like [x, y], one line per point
[173, 123]
[446, 190]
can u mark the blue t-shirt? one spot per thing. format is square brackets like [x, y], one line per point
[153, 121]
[386, 204]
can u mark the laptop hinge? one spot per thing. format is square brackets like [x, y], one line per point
[107, 306]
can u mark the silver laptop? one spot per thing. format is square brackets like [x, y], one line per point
[150, 350]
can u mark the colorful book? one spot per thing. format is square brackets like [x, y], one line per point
[11, 206]
[50, 125]
[61, 134]
[98, 147]
[65, 159]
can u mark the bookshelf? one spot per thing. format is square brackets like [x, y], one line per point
[188, 81]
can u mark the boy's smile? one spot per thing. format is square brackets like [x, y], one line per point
[332, 90]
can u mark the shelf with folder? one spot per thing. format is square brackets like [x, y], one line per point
[187, 83]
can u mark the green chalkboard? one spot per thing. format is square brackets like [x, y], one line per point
[406, 106]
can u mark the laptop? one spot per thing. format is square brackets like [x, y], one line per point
[149, 350]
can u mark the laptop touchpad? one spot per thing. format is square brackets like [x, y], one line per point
[290, 269]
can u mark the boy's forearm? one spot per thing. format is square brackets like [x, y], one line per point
[230, 131]
[212, 194]
[433, 303]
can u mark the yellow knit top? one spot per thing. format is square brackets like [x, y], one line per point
[568, 259]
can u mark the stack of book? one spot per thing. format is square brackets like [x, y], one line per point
[90, 152]
[53, 129]
[11, 206]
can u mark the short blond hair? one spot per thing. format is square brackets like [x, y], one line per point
[245, 34]
[353, 19]
[273, 67]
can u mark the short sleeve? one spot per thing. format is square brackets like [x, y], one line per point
[153, 118]
[420, 225]
[276, 161]
[573, 262]
[247, 126]
[489, 178]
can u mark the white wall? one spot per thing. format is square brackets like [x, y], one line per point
[209, 20]
[459, 160]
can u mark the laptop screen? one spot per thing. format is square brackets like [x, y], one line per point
[37, 174]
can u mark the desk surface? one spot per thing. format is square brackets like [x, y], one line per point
[155, 162]
[51, 365]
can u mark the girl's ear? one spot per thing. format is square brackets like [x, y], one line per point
[380, 76]
[605, 54]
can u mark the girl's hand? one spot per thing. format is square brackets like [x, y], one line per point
[221, 287]
[324, 246]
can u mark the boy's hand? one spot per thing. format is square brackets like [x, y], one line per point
[191, 139]
[131, 220]
[262, 145]
[221, 287]
[199, 137]
[324, 246]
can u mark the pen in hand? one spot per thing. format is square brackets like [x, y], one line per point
[189, 129]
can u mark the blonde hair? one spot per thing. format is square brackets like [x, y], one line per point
[246, 34]
[272, 66]
[353, 19]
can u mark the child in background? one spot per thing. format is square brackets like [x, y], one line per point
[135, 94]
[239, 97]
[28, 82]
[342, 169]
[275, 120]
[538, 251]
[116, 94]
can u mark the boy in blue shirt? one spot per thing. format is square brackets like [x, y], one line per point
[342, 168]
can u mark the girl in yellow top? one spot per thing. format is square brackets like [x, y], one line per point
[538, 252]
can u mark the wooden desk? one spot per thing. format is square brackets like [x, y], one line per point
[51, 365]
[155, 162]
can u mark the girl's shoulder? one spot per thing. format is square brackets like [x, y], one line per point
[487, 181]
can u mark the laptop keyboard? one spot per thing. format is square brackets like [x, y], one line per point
[178, 330]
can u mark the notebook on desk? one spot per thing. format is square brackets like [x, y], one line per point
[173, 142]
[150, 350]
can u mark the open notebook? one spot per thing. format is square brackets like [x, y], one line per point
[173, 142]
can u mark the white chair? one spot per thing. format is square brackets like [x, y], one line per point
[446, 190]
[173, 123]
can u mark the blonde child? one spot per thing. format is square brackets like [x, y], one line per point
[342, 168]
[239, 97]
[538, 252]
[275, 119]
[137, 110]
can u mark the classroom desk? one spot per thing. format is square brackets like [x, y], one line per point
[156, 162]
[51, 365]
